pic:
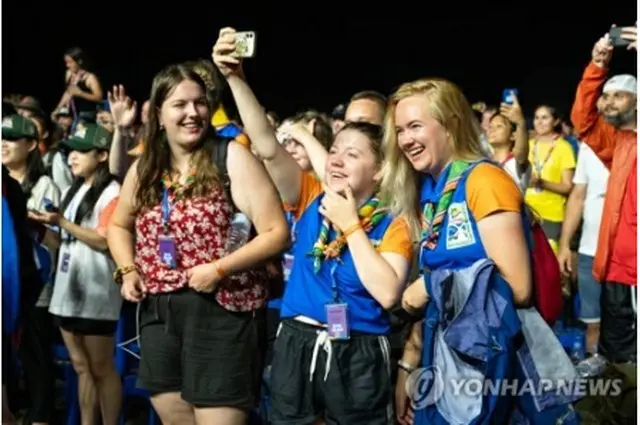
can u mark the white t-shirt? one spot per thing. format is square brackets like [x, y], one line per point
[44, 188]
[60, 171]
[84, 285]
[591, 172]
[521, 179]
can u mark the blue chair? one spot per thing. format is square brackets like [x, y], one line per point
[127, 354]
[61, 358]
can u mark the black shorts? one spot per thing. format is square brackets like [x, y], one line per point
[91, 327]
[618, 336]
[273, 321]
[357, 389]
[192, 345]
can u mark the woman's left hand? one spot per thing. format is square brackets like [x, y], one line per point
[203, 278]
[340, 210]
[51, 218]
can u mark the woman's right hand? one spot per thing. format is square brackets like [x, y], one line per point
[513, 111]
[123, 109]
[223, 53]
[133, 288]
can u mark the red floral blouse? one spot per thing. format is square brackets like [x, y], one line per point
[199, 227]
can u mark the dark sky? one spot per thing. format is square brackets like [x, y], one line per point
[316, 56]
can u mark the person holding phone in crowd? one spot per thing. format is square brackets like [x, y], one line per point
[611, 132]
[351, 260]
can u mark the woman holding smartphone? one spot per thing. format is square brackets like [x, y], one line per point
[351, 259]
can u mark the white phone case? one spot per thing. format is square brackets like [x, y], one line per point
[245, 44]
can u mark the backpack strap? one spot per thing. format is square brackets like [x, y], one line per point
[220, 152]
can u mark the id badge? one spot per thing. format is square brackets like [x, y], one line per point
[64, 263]
[337, 323]
[167, 245]
[287, 266]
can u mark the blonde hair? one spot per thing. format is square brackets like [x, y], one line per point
[447, 105]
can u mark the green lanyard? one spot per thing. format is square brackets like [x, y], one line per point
[432, 219]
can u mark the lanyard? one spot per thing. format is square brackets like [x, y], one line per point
[504, 161]
[540, 165]
[166, 210]
[334, 283]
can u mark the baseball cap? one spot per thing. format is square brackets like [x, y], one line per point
[89, 137]
[624, 83]
[16, 127]
[32, 104]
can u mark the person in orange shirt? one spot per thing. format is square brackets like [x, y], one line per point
[612, 135]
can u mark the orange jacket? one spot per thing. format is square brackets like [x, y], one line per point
[617, 149]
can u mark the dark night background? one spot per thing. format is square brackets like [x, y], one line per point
[311, 55]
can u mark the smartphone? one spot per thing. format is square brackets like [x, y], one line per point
[48, 205]
[615, 34]
[245, 44]
[507, 95]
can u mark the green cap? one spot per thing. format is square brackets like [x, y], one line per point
[89, 137]
[16, 127]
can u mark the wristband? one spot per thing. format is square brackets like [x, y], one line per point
[123, 270]
[406, 366]
[350, 230]
[219, 271]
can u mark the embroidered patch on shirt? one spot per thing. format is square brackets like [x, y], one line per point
[459, 230]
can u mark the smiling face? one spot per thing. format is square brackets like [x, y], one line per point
[84, 164]
[16, 152]
[352, 162]
[422, 139]
[185, 114]
[544, 121]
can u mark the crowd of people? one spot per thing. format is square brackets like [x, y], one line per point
[394, 234]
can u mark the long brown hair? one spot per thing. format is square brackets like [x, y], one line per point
[156, 156]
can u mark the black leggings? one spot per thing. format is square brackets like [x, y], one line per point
[36, 355]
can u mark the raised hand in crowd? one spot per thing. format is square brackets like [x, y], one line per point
[513, 112]
[602, 51]
[223, 54]
[297, 131]
[123, 109]
[630, 34]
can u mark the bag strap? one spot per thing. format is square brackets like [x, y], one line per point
[220, 153]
